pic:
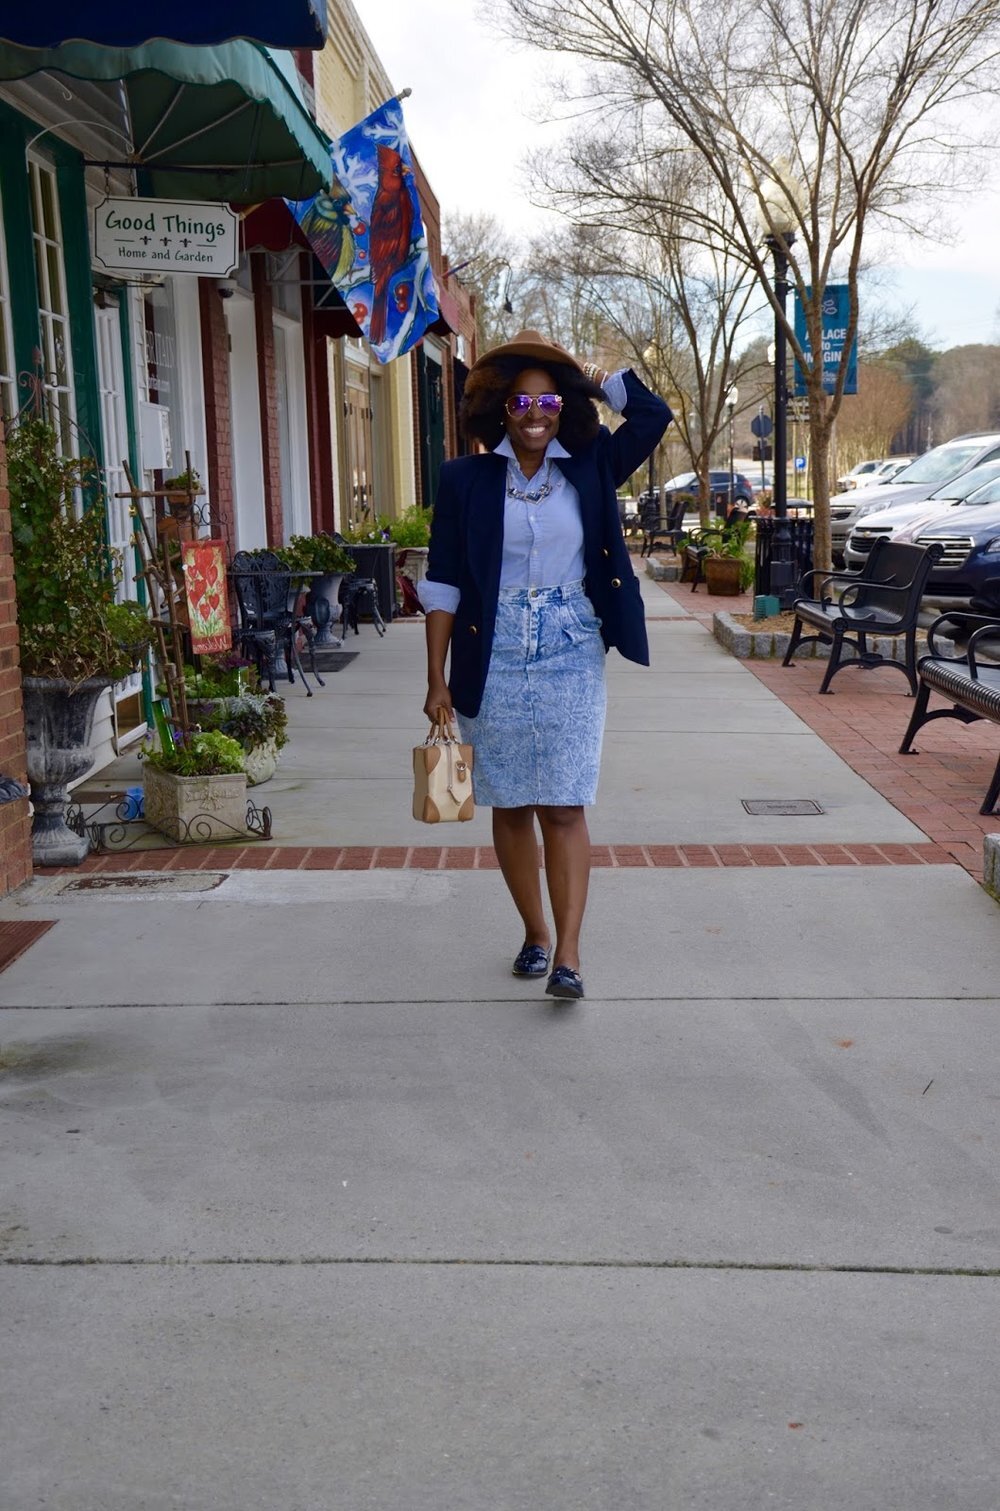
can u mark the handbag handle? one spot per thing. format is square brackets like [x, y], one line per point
[442, 730]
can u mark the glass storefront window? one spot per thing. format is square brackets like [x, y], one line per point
[53, 304]
[162, 366]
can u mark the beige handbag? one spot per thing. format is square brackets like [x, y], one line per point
[442, 776]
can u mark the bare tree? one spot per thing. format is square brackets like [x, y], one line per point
[831, 116]
[673, 287]
[967, 389]
[484, 257]
[870, 418]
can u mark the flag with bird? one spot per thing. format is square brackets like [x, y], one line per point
[368, 233]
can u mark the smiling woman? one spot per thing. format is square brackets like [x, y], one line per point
[529, 583]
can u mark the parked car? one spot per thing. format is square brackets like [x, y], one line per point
[913, 483]
[970, 535]
[686, 483]
[866, 474]
[891, 521]
[862, 474]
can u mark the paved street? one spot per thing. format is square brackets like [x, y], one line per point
[309, 1204]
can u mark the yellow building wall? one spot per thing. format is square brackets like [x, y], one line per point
[350, 82]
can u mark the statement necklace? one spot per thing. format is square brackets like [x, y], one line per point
[529, 495]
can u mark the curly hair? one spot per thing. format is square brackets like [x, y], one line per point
[482, 416]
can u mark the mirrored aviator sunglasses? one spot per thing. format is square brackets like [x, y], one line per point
[549, 404]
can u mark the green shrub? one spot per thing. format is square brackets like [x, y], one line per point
[253, 719]
[412, 528]
[316, 553]
[65, 573]
[209, 753]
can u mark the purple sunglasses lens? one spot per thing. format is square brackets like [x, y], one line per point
[549, 403]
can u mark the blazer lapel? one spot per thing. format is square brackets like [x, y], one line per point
[484, 523]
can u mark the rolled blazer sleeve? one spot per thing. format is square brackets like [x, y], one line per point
[439, 589]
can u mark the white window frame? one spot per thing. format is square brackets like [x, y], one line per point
[53, 313]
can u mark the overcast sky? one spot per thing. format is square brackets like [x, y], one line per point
[469, 121]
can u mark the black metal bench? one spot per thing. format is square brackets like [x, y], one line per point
[657, 527]
[971, 685]
[882, 599]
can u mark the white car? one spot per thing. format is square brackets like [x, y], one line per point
[861, 475]
[914, 483]
[918, 511]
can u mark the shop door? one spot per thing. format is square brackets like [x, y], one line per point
[117, 449]
[359, 446]
[430, 388]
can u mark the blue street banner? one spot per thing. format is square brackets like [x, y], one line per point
[836, 316]
[368, 233]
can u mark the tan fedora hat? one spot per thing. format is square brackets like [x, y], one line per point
[529, 344]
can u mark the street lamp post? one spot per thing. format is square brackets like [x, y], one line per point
[732, 399]
[778, 221]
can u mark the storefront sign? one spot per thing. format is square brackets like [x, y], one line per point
[166, 236]
[836, 316]
[205, 590]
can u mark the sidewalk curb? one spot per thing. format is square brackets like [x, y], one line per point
[991, 865]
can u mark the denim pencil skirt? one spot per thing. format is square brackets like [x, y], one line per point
[537, 737]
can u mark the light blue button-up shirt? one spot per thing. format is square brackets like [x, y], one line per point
[543, 541]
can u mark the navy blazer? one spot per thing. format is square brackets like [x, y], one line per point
[467, 541]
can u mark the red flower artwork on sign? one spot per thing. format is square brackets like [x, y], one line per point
[207, 601]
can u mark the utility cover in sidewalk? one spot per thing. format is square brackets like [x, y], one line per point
[780, 807]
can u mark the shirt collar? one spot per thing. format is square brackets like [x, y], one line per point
[555, 449]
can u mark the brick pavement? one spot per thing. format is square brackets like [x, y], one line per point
[863, 719]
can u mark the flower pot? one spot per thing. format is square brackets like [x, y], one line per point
[414, 562]
[194, 810]
[261, 762]
[722, 575]
[59, 723]
[326, 590]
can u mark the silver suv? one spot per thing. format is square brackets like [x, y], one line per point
[915, 482]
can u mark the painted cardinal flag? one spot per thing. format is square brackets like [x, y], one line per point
[368, 234]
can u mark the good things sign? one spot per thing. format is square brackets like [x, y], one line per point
[166, 236]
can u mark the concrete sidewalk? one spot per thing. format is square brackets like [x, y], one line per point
[309, 1204]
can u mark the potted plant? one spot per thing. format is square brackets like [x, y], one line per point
[411, 534]
[725, 565]
[182, 488]
[320, 553]
[76, 640]
[196, 789]
[259, 722]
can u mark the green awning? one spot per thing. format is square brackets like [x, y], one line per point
[213, 123]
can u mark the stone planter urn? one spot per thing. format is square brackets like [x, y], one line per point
[261, 762]
[59, 723]
[413, 562]
[194, 810]
[326, 588]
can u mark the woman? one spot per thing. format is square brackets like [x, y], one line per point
[529, 582]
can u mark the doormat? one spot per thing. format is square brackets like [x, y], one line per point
[15, 938]
[332, 661]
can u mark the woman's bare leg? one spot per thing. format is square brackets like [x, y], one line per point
[566, 839]
[516, 844]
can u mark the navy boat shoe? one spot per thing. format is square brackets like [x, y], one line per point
[565, 983]
[532, 960]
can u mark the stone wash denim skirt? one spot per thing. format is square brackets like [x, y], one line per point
[537, 737]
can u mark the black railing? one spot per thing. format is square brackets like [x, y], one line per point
[801, 533]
